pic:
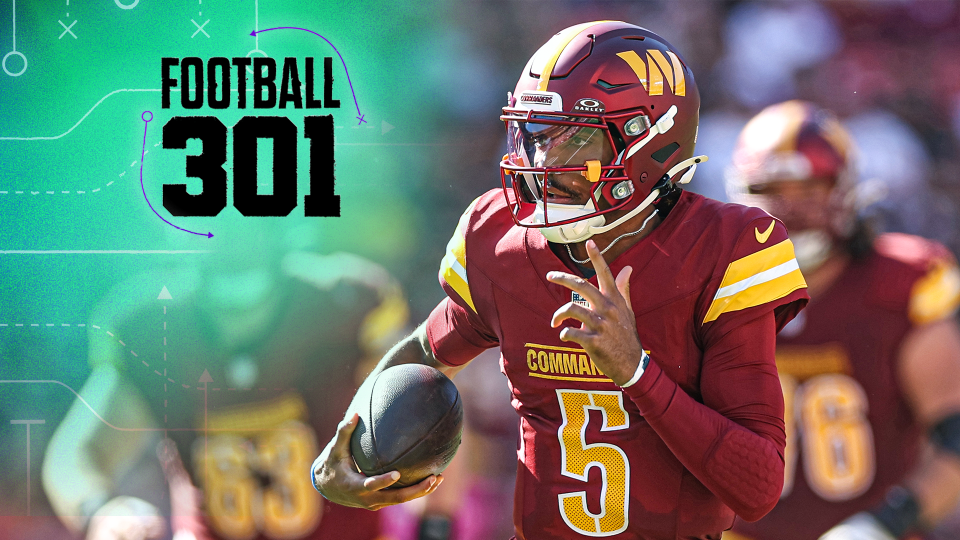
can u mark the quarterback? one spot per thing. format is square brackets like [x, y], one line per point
[637, 322]
[872, 366]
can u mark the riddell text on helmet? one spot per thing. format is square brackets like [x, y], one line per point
[214, 83]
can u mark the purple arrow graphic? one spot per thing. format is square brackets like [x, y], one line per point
[360, 117]
[146, 122]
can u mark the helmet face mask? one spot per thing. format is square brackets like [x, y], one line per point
[551, 154]
[572, 170]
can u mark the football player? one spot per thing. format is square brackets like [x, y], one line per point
[636, 321]
[216, 394]
[872, 367]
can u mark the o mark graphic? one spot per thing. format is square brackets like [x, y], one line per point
[131, 6]
[589, 103]
[22, 57]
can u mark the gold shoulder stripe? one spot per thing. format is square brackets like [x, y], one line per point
[756, 279]
[554, 48]
[381, 327]
[453, 267]
[935, 296]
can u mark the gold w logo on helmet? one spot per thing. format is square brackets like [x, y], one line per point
[661, 69]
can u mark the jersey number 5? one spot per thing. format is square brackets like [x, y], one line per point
[577, 457]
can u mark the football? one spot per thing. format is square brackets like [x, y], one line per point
[410, 422]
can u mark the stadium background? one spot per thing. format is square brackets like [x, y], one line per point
[430, 78]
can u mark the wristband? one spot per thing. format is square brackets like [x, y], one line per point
[644, 360]
[899, 512]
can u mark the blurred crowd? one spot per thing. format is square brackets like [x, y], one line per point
[888, 68]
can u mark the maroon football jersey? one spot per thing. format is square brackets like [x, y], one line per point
[589, 463]
[850, 432]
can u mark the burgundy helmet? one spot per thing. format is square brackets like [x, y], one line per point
[611, 101]
[798, 142]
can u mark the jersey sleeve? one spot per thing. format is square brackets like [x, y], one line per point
[914, 276]
[456, 331]
[731, 436]
[760, 274]
[733, 440]
[936, 295]
[453, 266]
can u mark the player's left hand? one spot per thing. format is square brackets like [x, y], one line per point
[862, 526]
[608, 328]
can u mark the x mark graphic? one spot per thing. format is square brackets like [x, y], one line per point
[66, 29]
[200, 28]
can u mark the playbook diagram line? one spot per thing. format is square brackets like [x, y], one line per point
[14, 52]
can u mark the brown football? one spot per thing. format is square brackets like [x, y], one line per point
[410, 422]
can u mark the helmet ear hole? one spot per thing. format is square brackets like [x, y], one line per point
[662, 155]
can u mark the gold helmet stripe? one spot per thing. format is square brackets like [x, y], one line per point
[555, 47]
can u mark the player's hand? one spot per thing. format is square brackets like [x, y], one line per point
[336, 477]
[862, 526]
[608, 329]
[126, 518]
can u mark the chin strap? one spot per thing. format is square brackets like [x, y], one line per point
[692, 163]
[646, 202]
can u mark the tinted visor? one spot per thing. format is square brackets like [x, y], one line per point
[548, 146]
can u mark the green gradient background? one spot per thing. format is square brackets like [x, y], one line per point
[380, 176]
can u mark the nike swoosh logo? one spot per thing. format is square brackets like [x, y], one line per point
[763, 236]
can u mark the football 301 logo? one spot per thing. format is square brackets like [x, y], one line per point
[212, 83]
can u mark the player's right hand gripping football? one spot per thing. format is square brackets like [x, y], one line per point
[336, 477]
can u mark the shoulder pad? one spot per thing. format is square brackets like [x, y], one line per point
[453, 267]
[920, 274]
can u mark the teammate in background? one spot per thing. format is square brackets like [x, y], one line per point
[646, 386]
[258, 349]
[871, 369]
